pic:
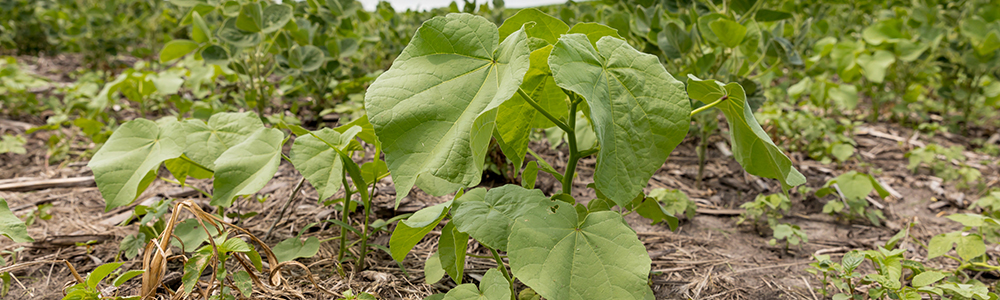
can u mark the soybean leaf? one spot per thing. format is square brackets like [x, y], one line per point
[639, 111]
[729, 32]
[767, 15]
[121, 279]
[293, 248]
[493, 287]
[488, 218]
[128, 161]
[307, 58]
[433, 272]
[233, 35]
[176, 49]
[546, 27]
[215, 54]
[275, 17]
[451, 249]
[313, 156]
[191, 234]
[409, 232]
[674, 41]
[651, 209]
[875, 65]
[250, 17]
[207, 141]
[434, 109]
[887, 30]
[11, 226]
[181, 168]
[519, 117]
[561, 256]
[752, 148]
[199, 30]
[246, 167]
[243, 282]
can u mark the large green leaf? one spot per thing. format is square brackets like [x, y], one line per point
[729, 32]
[492, 287]
[199, 29]
[434, 109]
[875, 65]
[250, 18]
[207, 141]
[594, 31]
[246, 167]
[11, 226]
[128, 161]
[294, 247]
[488, 218]
[519, 117]
[639, 110]
[451, 249]
[546, 27]
[562, 257]
[306, 58]
[318, 162]
[752, 148]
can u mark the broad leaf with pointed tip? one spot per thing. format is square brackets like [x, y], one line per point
[207, 141]
[875, 65]
[318, 162]
[235, 36]
[409, 232]
[176, 49]
[275, 16]
[451, 248]
[245, 168]
[639, 111]
[11, 226]
[488, 218]
[434, 110]
[250, 17]
[562, 257]
[492, 287]
[752, 148]
[729, 32]
[128, 161]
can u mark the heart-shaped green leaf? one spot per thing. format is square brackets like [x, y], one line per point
[246, 167]
[639, 111]
[11, 226]
[435, 130]
[307, 58]
[293, 248]
[207, 141]
[546, 27]
[729, 32]
[313, 156]
[488, 218]
[752, 148]
[562, 257]
[128, 161]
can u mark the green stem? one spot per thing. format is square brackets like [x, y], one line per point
[344, 217]
[710, 105]
[574, 155]
[545, 113]
[506, 274]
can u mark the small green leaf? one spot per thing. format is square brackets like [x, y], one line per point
[651, 209]
[234, 245]
[199, 30]
[11, 226]
[320, 164]
[100, 273]
[452, 247]
[191, 234]
[293, 248]
[275, 17]
[638, 110]
[215, 54]
[307, 58]
[176, 49]
[182, 167]
[488, 218]
[970, 246]
[193, 269]
[875, 66]
[852, 260]
[530, 175]
[245, 168]
[563, 257]
[239, 38]
[887, 30]
[941, 244]
[250, 17]
[927, 278]
[128, 161]
[435, 131]
[546, 27]
[493, 287]
[409, 232]
[729, 32]
[433, 272]
[121, 279]
[243, 282]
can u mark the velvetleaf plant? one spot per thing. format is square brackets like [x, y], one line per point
[462, 81]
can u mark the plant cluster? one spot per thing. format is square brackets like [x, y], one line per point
[946, 163]
[853, 189]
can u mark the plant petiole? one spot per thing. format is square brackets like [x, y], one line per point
[564, 126]
[506, 274]
[710, 105]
